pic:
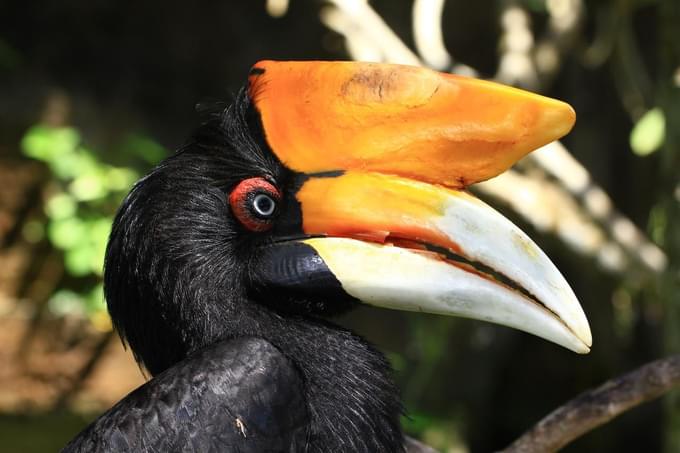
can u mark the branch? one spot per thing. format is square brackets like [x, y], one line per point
[428, 34]
[617, 244]
[596, 407]
[374, 27]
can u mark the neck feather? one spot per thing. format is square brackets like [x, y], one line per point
[353, 402]
[354, 405]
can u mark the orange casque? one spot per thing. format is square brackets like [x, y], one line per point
[400, 120]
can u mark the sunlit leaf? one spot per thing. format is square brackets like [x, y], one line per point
[49, 143]
[73, 164]
[80, 210]
[99, 231]
[88, 187]
[66, 233]
[78, 260]
[648, 133]
[61, 206]
[119, 179]
[65, 302]
[95, 299]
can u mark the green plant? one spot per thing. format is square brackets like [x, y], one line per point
[79, 207]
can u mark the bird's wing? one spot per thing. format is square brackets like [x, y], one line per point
[240, 395]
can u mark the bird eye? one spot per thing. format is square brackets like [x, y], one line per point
[264, 205]
[253, 202]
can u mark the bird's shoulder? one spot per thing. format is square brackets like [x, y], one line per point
[240, 395]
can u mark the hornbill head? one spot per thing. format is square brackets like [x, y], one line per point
[331, 183]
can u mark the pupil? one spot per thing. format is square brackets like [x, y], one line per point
[264, 205]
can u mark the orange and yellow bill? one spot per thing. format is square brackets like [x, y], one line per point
[383, 154]
[401, 120]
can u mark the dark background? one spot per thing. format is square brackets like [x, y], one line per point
[119, 68]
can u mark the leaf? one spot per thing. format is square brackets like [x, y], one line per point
[49, 143]
[120, 178]
[648, 133]
[99, 231]
[95, 299]
[65, 302]
[145, 148]
[66, 233]
[61, 206]
[76, 163]
[87, 187]
[78, 260]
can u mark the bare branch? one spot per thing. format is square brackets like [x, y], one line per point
[517, 41]
[374, 27]
[427, 33]
[596, 407]
[596, 228]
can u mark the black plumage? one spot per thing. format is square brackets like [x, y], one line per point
[220, 399]
[181, 283]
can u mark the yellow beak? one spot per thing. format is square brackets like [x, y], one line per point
[383, 154]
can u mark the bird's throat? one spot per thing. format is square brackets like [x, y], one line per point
[353, 403]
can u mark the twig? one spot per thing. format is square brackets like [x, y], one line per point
[596, 407]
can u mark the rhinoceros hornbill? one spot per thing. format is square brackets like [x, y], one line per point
[323, 185]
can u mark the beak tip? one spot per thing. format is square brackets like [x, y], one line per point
[583, 336]
[558, 119]
[584, 351]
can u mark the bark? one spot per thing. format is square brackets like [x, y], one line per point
[598, 406]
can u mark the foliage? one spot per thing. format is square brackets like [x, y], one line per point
[648, 133]
[79, 208]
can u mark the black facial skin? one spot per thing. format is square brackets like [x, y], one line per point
[181, 273]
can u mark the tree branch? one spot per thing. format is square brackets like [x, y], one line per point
[617, 244]
[596, 407]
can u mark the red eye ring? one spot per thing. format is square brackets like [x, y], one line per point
[247, 201]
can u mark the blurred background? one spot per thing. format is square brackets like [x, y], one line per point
[94, 93]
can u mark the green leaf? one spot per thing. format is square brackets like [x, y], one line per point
[99, 231]
[95, 300]
[87, 187]
[416, 423]
[120, 179]
[648, 133]
[78, 260]
[66, 233]
[49, 143]
[145, 148]
[70, 165]
[61, 206]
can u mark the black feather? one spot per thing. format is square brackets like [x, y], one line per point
[177, 273]
[240, 395]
